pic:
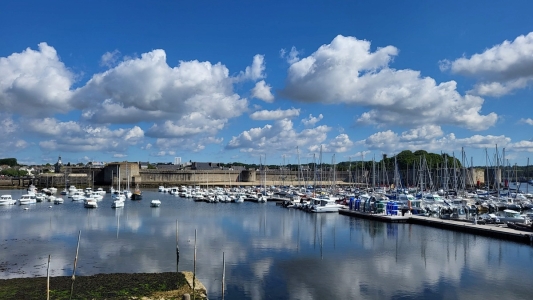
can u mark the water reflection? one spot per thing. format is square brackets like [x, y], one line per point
[270, 252]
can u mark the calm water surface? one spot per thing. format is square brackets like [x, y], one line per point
[270, 252]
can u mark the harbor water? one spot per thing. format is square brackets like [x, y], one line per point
[270, 252]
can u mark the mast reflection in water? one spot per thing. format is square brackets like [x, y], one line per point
[270, 252]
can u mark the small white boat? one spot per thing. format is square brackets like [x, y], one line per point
[118, 203]
[155, 203]
[7, 200]
[101, 191]
[77, 196]
[39, 197]
[96, 195]
[58, 200]
[90, 203]
[325, 204]
[27, 199]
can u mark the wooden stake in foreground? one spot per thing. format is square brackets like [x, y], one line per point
[48, 279]
[177, 248]
[76, 258]
[194, 269]
[223, 273]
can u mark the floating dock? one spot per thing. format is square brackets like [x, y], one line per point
[495, 231]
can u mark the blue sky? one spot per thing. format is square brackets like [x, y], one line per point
[227, 81]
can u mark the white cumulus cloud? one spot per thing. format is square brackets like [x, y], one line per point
[500, 69]
[255, 71]
[73, 137]
[262, 91]
[277, 114]
[528, 121]
[278, 137]
[347, 71]
[311, 121]
[35, 83]
[430, 138]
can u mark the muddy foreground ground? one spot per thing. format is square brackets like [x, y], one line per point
[102, 286]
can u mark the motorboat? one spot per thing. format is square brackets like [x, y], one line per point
[324, 204]
[90, 203]
[261, 198]
[27, 199]
[77, 196]
[101, 191]
[96, 195]
[40, 197]
[509, 215]
[155, 203]
[239, 197]
[72, 189]
[58, 200]
[7, 200]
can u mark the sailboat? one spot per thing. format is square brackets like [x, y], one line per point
[261, 197]
[137, 194]
[127, 192]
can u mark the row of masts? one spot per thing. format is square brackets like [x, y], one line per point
[452, 178]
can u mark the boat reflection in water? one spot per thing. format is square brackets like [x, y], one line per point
[270, 252]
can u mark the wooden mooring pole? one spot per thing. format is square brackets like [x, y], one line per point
[223, 273]
[177, 249]
[194, 269]
[76, 258]
[48, 279]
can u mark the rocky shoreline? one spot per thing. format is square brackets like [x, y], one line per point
[168, 285]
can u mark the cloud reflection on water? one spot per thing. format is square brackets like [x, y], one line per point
[270, 252]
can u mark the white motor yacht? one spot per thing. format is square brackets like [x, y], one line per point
[509, 215]
[7, 200]
[77, 196]
[325, 204]
[155, 203]
[27, 199]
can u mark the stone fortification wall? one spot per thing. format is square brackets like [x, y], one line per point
[154, 178]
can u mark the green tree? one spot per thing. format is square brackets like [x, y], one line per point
[12, 162]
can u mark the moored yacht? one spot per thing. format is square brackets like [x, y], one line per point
[27, 199]
[325, 204]
[509, 215]
[118, 203]
[90, 203]
[7, 200]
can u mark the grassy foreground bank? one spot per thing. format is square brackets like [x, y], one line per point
[167, 285]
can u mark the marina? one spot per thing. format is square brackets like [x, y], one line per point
[270, 252]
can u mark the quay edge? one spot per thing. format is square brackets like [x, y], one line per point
[467, 227]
